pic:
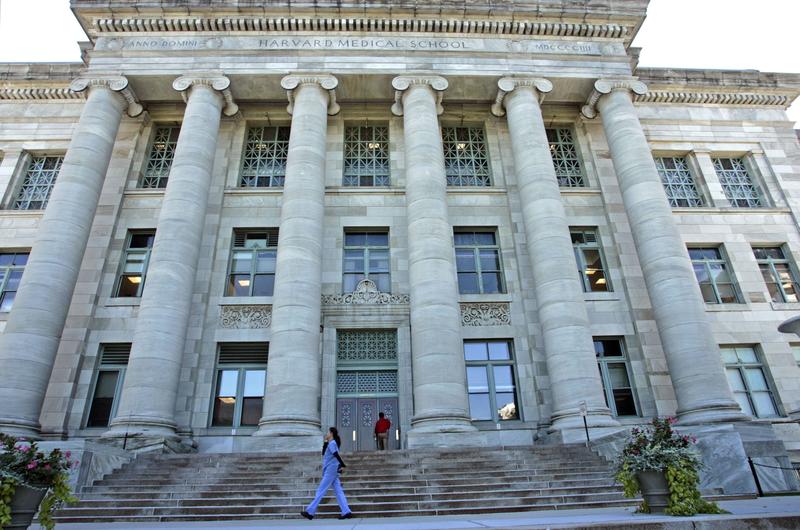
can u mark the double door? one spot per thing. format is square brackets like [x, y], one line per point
[356, 417]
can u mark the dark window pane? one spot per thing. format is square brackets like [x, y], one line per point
[623, 401]
[141, 240]
[103, 400]
[378, 240]
[6, 260]
[251, 410]
[263, 285]
[239, 285]
[381, 281]
[464, 238]
[492, 282]
[266, 261]
[356, 239]
[129, 286]
[225, 403]
[465, 260]
[506, 407]
[485, 238]
[468, 283]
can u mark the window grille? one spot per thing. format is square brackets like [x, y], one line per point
[375, 345]
[748, 381]
[366, 156]
[567, 163]
[366, 255]
[115, 353]
[589, 257]
[737, 184]
[490, 380]
[615, 374]
[12, 265]
[243, 352]
[40, 177]
[135, 263]
[366, 382]
[778, 273]
[712, 273]
[159, 160]
[466, 161]
[265, 153]
[678, 182]
[478, 263]
[252, 263]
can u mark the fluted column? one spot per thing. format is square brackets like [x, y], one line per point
[440, 387]
[693, 357]
[291, 406]
[147, 404]
[29, 344]
[567, 336]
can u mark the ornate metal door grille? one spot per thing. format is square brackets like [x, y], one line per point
[565, 157]
[375, 345]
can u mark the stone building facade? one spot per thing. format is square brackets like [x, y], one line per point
[484, 220]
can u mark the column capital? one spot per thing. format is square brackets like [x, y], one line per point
[217, 82]
[606, 86]
[402, 83]
[325, 81]
[506, 85]
[115, 83]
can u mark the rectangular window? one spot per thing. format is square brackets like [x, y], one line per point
[366, 256]
[108, 383]
[737, 183]
[748, 381]
[712, 273]
[614, 372]
[678, 182]
[265, 153]
[134, 266]
[778, 273]
[466, 161]
[40, 177]
[12, 265]
[490, 380]
[159, 159]
[239, 385]
[796, 353]
[366, 156]
[591, 267]
[252, 264]
[478, 262]
[566, 161]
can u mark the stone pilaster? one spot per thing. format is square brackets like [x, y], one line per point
[30, 342]
[440, 388]
[693, 357]
[147, 404]
[291, 407]
[569, 349]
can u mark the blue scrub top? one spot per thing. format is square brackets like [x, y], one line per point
[328, 459]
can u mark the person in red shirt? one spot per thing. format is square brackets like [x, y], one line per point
[382, 431]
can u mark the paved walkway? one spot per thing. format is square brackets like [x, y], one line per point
[766, 507]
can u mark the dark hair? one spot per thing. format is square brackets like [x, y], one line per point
[335, 432]
[381, 414]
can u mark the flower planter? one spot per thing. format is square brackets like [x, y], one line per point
[655, 489]
[24, 505]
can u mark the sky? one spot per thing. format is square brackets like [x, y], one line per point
[715, 34]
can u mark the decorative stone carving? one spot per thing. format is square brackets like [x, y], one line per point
[37, 93]
[116, 83]
[327, 82]
[679, 96]
[366, 293]
[404, 82]
[605, 86]
[485, 314]
[245, 316]
[505, 85]
[218, 82]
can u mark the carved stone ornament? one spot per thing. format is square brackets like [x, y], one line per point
[245, 316]
[506, 85]
[485, 314]
[605, 86]
[326, 81]
[366, 293]
[402, 83]
[218, 82]
[116, 83]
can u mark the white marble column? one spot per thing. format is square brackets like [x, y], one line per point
[440, 387]
[147, 404]
[33, 330]
[292, 402]
[693, 357]
[567, 336]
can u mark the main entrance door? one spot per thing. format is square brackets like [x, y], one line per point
[356, 417]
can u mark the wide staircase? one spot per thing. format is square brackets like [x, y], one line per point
[241, 486]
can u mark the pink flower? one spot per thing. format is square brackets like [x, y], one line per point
[32, 465]
[47, 467]
[68, 454]
[24, 448]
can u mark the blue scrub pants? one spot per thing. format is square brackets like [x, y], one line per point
[330, 477]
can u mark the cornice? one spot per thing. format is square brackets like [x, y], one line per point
[679, 96]
[39, 93]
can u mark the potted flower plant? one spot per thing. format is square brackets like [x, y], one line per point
[31, 479]
[664, 467]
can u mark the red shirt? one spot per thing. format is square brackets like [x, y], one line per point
[382, 425]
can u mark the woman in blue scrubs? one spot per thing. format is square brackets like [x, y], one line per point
[331, 467]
